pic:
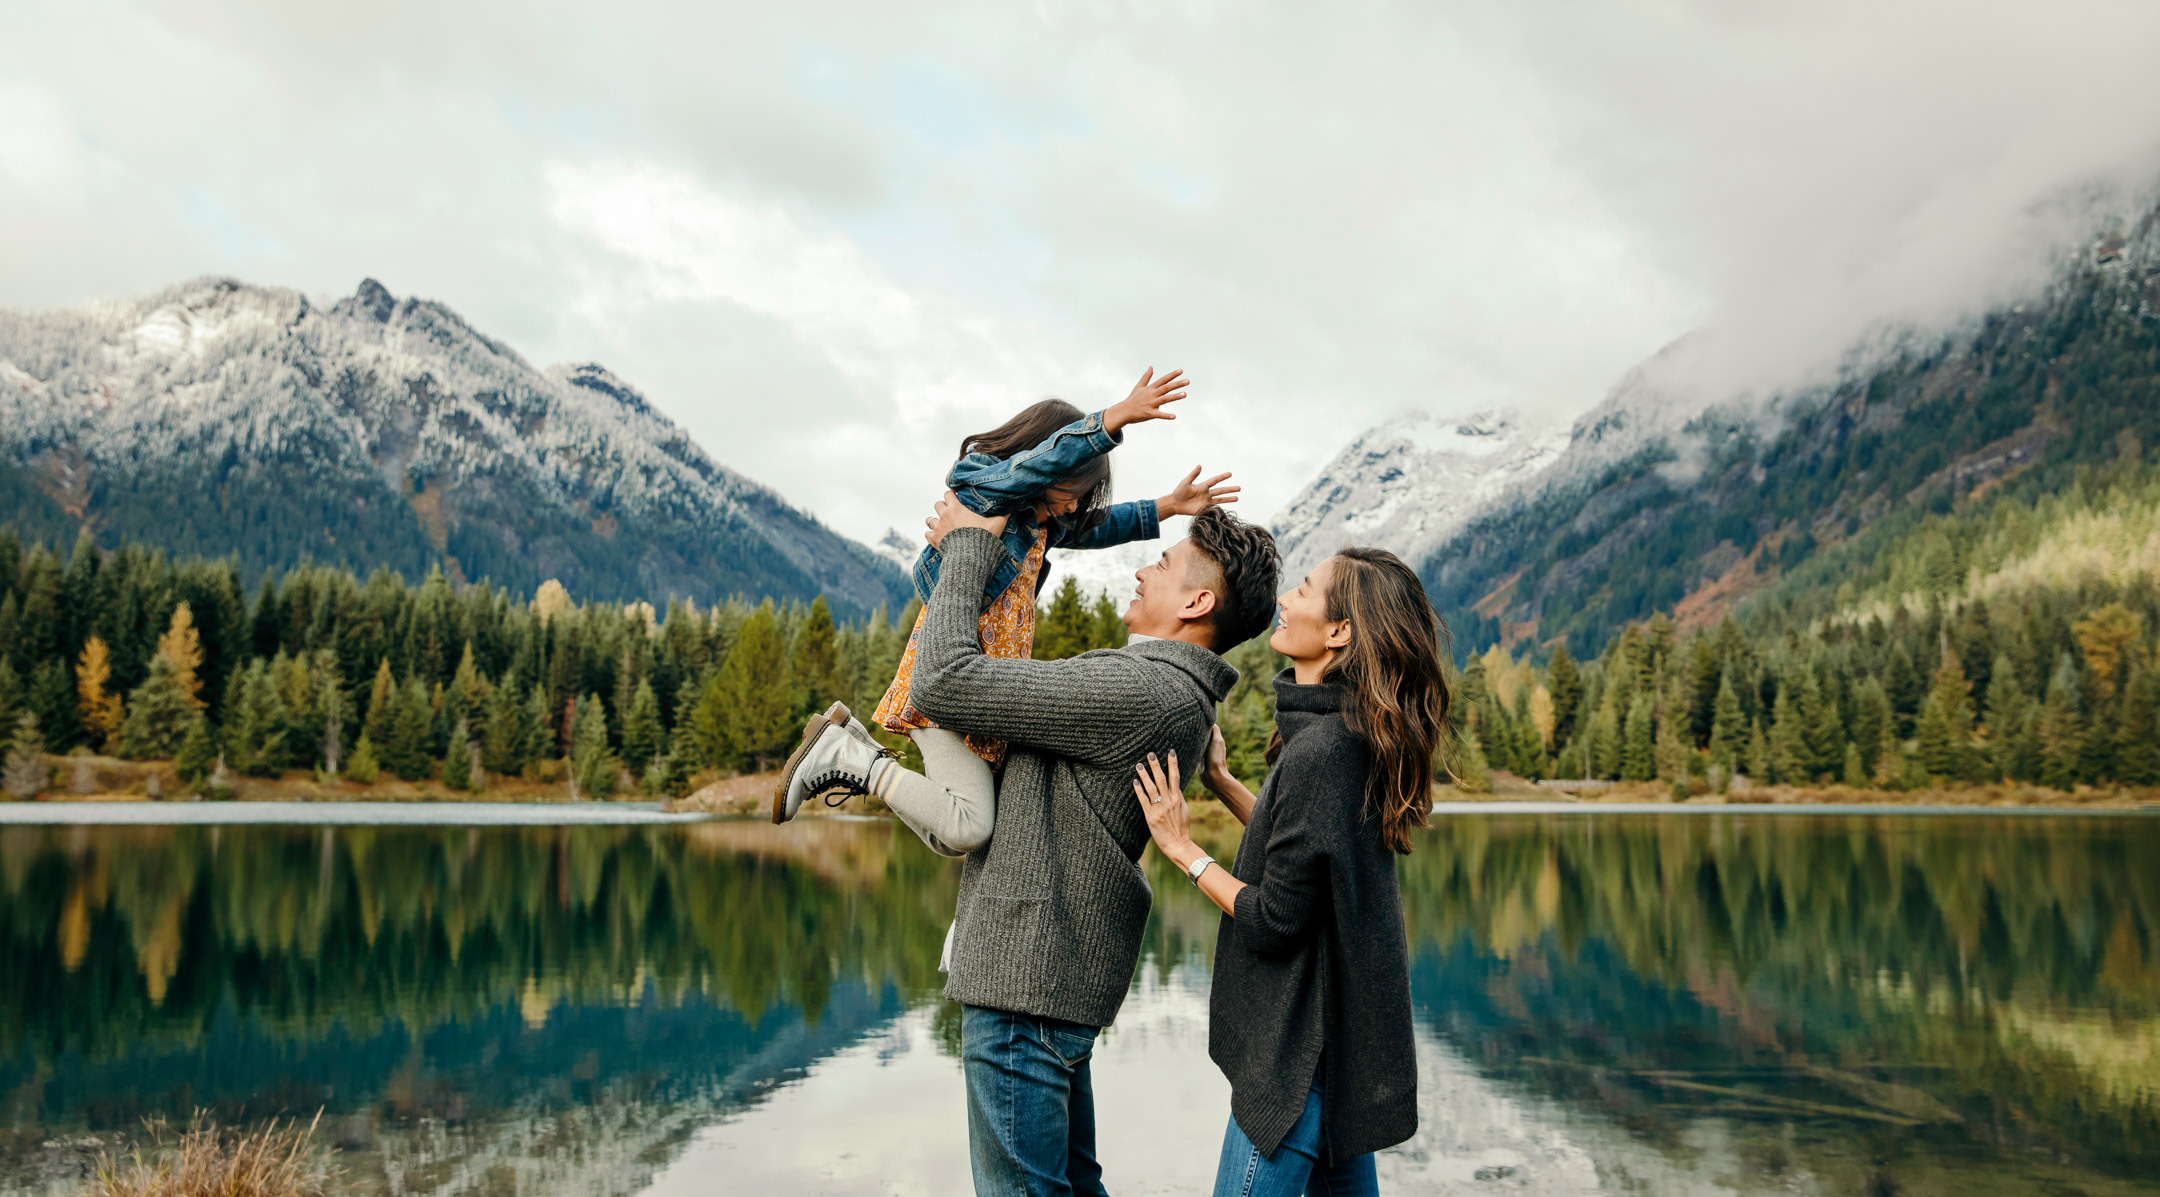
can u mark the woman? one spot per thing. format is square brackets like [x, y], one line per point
[1310, 1016]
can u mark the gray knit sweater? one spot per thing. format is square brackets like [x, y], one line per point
[1052, 912]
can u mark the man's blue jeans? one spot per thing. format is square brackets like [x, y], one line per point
[1031, 1104]
[1295, 1167]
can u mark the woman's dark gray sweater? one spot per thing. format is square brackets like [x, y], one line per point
[1316, 956]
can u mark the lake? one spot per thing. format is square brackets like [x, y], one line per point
[1636, 1003]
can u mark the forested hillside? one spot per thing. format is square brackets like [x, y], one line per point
[134, 654]
[219, 418]
[2013, 638]
[1747, 495]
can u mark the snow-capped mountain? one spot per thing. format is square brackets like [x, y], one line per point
[1409, 484]
[218, 417]
[1691, 487]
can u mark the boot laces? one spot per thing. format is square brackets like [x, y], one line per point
[836, 786]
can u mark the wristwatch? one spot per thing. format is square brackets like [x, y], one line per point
[1198, 867]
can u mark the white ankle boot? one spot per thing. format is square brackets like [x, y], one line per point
[833, 762]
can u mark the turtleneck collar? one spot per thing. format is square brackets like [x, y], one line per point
[1323, 698]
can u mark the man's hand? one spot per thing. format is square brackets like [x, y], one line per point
[1192, 497]
[951, 514]
[1146, 402]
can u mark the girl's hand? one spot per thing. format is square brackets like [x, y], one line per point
[1163, 802]
[1216, 771]
[1191, 497]
[1146, 402]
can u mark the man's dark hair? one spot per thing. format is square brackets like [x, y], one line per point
[1249, 567]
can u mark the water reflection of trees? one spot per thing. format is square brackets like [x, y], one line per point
[114, 935]
[2001, 976]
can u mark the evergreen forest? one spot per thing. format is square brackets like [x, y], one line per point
[132, 654]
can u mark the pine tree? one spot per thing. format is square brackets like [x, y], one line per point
[362, 766]
[1855, 772]
[2137, 732]
[817, 660]
[1901, 684]
[1605, 741]
[381, 705]
[25, 774]
[52, 697]
[1758, 754]
[1567, 693]
[536, 729]
[1065, 628]
[1788, 751]
[1467, 764]
[643, 737]
[159, 713]
[1672, 748]
[502, 737]
[101, 711]
[182, 646]
[411, 720]
[2062, 728]
[754, 680]
[1728, 728]
[197, 754]
[592, 766]
[2005, 700]
[11, 694]
[1110, 631]
[466, 697]
[1872, 723]
[253, 743]
[1821, 732]
[457, 771]
[1638, 751]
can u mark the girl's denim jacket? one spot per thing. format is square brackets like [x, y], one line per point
[991, 486]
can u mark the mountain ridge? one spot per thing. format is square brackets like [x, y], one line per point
[216, 416]
[1691, 501]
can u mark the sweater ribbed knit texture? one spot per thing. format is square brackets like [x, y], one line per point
[1317, 956]
[1051, 914]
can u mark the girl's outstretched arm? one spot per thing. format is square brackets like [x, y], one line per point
[1191, 497]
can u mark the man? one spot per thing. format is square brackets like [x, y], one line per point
[1051, 913]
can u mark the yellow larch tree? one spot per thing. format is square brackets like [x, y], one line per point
[102, 711]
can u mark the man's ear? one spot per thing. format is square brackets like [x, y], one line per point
[1200, 604]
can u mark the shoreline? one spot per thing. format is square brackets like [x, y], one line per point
[1208, 816]
[340, 814]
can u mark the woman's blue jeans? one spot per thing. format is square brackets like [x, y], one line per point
[1295, 1168]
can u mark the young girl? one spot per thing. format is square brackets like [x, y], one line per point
[1049, 469]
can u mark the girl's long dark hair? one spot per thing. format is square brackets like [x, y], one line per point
[1396, 697]
[1032, 427]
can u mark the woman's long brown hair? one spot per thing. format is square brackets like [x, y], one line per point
[1397, 695]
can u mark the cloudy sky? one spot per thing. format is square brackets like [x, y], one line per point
[832, 238]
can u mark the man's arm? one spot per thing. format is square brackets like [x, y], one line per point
[1089, 708]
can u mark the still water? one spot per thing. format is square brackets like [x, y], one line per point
[1659, 1004]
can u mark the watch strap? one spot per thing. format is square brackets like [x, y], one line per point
[1198, 867]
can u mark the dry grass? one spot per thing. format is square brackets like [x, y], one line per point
[209, 1161]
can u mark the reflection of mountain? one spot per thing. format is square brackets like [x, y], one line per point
[1812, 1003]
[1910, 980]
[590, 1100]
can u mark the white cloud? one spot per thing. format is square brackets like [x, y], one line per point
[831, 238]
